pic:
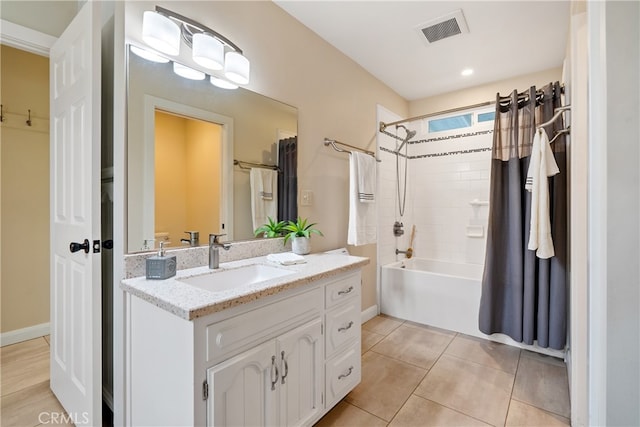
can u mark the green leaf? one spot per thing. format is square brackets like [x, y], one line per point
[299, 228]
[272, 229]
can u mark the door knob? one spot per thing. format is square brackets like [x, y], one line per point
[75, 247]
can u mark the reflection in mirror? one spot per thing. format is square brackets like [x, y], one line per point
[250, 128]
[188, 173]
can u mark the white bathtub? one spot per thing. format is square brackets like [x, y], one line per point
[435, 293]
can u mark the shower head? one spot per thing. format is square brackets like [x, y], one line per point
[410, 134]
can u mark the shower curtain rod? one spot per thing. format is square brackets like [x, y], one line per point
[384, 125]
[522, 95]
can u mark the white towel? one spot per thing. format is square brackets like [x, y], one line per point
[541, 166]
[264, 195]
[286, 258]
[362, 216]
[366, 177]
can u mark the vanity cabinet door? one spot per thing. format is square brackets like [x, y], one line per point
[243, 390]
[301, 379]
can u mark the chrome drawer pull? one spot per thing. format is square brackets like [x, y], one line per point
[346, 292]
[286, 368]
[274, 367]
[344, 328]
[347, 374]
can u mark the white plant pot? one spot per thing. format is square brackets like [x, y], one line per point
[301, 245]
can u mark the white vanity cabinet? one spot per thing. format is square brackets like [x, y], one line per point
[342, 338]
[281, 360]
[278, 383]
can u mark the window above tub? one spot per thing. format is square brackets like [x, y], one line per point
[460, 121]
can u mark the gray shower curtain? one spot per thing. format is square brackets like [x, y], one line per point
[523, 296]
[288, 179]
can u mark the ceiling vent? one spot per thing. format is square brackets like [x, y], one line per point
[448, 25]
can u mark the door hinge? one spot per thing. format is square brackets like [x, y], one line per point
[321, 328]
[322, 398]
[205, 390]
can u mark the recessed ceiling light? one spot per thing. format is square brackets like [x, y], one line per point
[467, 72]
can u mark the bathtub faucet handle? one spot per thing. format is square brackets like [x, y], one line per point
[408, 253]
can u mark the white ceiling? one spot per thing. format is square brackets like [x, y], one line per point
[505, 39]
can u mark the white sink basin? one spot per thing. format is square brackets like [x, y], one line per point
[217, 281]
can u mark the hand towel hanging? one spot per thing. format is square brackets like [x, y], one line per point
[264, 195]
[362, 215]
[366, 177]
[541, 166]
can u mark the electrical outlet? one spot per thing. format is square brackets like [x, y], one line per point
[306, 198]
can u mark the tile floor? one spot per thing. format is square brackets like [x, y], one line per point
[414, 375]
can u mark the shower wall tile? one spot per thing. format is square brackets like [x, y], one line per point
[438, 196]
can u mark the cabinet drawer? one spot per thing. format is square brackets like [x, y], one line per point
[343, 326]
[342, 374]
[230, 336]
[342, 290]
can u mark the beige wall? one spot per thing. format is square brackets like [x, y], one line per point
[335, 98]
[24, 181]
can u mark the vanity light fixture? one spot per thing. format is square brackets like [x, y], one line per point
[222, 83]
[163, 30]
[208, 51]
[187, 72]
[149, 55]
[161, 33]
[236, 68]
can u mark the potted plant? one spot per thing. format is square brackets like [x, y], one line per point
[271, 229]
[299, 232]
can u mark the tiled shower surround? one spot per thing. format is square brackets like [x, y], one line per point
[440, 190]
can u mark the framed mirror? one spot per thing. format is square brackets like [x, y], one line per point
[183, 138]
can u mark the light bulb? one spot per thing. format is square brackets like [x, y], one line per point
[187, 72]
[161, 33]
[208, 51]
[222, 83]
[236, 68]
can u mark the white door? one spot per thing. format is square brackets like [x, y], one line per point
[75, 216]
[243, 390]
[301, 377]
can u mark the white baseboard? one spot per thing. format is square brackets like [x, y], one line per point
[369, 313]
[24, 334]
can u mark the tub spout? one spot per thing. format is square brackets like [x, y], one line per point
[408, 253]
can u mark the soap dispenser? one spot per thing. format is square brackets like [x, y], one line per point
[161, 266]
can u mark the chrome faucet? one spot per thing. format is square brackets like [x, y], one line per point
[408, 253]
[194, 238]
[214, 250]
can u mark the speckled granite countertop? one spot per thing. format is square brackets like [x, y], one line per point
[190, 302]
